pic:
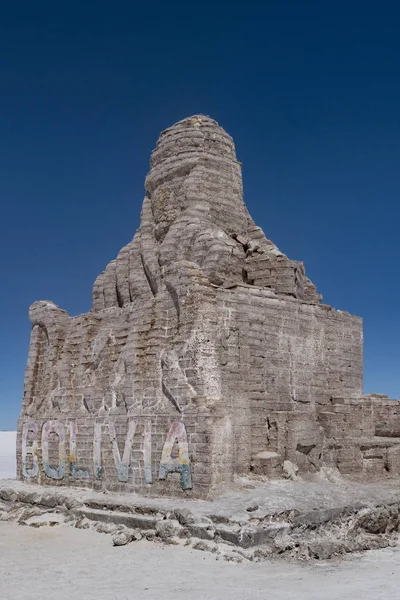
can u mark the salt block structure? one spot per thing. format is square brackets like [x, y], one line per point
[206, 354]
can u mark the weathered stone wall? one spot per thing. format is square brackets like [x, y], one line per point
[291, 358]
[362, 435]
[207, 352]
[117, 369]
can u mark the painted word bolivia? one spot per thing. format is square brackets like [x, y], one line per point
[176, 437]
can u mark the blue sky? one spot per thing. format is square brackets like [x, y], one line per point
[310, 91]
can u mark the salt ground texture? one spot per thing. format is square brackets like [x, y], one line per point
[8, 465]
[311, 520]
[64, 563]
[269, 497]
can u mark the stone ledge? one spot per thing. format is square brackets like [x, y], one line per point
[305, 532]
[130, 520]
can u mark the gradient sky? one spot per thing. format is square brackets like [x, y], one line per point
[309, 90]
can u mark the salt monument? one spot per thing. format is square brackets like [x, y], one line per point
[206, 354]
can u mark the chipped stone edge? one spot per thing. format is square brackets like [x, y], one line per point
[317, 534]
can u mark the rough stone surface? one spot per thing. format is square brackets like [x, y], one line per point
[203, 529]
[168, 529]
[184, 516]
[121, 538]
[207, 353]
[313, 532]
[290, 470]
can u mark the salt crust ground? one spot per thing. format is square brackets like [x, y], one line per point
[64, 563]
[7, 454]
[270, 496]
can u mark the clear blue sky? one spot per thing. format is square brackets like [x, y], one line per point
[310, 92]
